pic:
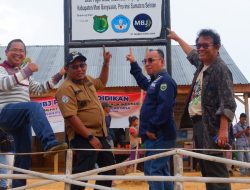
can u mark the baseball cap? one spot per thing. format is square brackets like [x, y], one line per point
[106, 104]
[73, 56]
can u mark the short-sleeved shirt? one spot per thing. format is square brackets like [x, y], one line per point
[80, 99]
[243, 139]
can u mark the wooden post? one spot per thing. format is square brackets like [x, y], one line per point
[136, 156]
[56, 163]
[69, 159]
[246, 106]
[178, 171]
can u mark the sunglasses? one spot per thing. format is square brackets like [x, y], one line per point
[81, 65]
[204, 46]
[149, 60]
[17, 50]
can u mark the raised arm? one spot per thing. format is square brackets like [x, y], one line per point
[136, 71]
[105, 67]
[173, 36]
[8, 79]
[38, 88]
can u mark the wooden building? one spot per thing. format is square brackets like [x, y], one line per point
[51, 58]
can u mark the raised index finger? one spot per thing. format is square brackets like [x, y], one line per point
[104, 50]
[130, 51]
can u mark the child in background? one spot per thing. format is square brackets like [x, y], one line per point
[133, 135]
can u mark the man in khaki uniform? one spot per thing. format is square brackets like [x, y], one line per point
[84, 115]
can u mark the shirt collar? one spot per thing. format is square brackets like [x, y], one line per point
[9, 66]
[159, 73]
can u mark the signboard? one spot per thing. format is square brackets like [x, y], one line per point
[115, 19]
[116, 23]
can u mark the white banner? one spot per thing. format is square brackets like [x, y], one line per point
[52, 112]
[115, 19]
[123, 106]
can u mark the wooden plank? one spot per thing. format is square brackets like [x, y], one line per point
[56, 163]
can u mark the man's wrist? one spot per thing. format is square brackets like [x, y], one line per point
[106, 64]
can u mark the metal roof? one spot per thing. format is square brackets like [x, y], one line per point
[51, 58]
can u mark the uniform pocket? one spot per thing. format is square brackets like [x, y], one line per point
[82, 100]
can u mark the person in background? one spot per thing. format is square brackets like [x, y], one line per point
[17, 114]
[210, 105]
[228, 154]
[157, 124]
[84, 116]
[119, 140]
[241, 133]
[5, 146]
[133, 135]
[106, 107]
[3, 181]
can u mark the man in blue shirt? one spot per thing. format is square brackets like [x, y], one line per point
[157, 125]
[241, 133]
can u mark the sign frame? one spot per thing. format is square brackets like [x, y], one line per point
[161, 40]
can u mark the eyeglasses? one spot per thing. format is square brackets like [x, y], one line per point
[81, 65]
[17, 50]
[149, 60]
[204, 46]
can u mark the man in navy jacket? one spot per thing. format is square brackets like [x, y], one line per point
[157, 125]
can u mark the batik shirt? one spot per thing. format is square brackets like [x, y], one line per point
[217, 96]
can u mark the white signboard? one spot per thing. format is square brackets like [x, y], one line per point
[115, 19]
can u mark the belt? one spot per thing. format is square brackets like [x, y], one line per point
[196, 118]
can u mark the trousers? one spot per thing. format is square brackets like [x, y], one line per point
[86, 160]
[17, 119]
[3, 160]
[244, 157]
[208, 168]
[160, 166]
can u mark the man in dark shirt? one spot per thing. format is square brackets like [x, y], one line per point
[157, 126]
[210, 104]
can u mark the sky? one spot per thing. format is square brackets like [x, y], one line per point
[41, 23]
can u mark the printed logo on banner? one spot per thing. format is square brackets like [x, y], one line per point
[142, 22]
[120, 24]
[100, 23]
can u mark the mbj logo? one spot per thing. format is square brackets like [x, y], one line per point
[120, 24]
[142, 22]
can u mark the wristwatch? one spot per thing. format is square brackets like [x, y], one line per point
[90, 137]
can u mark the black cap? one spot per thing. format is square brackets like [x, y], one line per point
[73, 56]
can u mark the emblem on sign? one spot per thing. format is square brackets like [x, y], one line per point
[120, 24]
[142, 22]
[100, 23]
